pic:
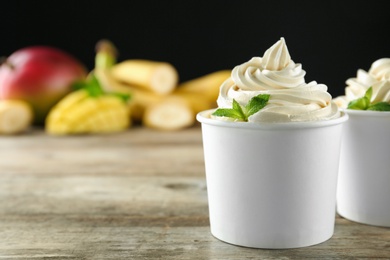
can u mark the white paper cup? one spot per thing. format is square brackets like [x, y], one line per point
[363, 193]
[271, 185]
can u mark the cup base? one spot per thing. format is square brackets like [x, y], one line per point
[364, 218]
[278, 243]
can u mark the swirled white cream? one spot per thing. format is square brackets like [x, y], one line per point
[276, 74]
[378, 77]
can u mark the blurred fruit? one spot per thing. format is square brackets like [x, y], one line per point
[158, 77]
[40, 76]
[89, 110]
[157, 101]
[15, 116]
[79, 113]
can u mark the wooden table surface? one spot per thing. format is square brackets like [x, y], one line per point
[139, 194]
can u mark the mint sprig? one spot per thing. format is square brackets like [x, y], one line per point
[380, 106]
[361, 103]
[94, 89]
[364, 103]
[242, 113]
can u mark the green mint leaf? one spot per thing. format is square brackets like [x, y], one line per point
[91, 85]
[368, 93]
[78, 85]
[380, 106]
[256, 103]
[228, 112]
[238, 108]
[242, 113]
[94, 89]
[364, 103]
[361, 103]
[123, 96]
[236, 112]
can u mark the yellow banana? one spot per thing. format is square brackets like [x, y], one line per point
[172, 113]
[140, 99]
[179, 109]
[175, 112]
[110, 84]
[156, 99]
[154, 76]
[15, 116]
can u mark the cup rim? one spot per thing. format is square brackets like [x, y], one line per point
[204, 118]
[368, 113]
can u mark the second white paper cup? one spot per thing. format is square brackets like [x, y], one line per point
[363, 193]
[271, 185]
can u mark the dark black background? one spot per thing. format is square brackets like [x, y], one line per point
[332, 39]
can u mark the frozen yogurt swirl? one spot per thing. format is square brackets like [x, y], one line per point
[378, 77]
[291, 99]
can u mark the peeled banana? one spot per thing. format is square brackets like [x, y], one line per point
[80, 113]
[157, 100]
[172, 113]
[154, 76]
[15, 116]
[179, 109]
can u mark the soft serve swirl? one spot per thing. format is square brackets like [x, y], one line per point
[291, 99]
[378, 77]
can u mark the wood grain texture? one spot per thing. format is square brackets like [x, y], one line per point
[139, 194]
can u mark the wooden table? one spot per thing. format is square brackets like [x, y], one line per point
[139, 194]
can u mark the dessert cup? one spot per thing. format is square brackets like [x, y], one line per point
[271, 185]
[363, 193]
